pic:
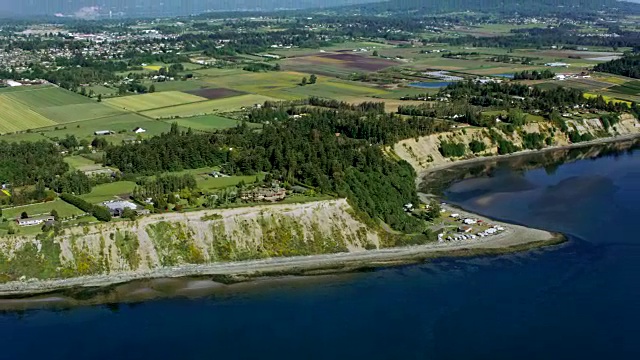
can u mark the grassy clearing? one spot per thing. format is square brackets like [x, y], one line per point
[64, 210]
[110, 191]
[154, 100]
[152, 67]
[208, 182]
[208, 122]
[16, 116]
[208, 107]
[80, 163]
[24, 137]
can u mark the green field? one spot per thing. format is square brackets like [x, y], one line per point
[207, 122]
[42, 97]
[64, 210]
[154, 100]
[79, 112]
[629, 88]
[110, 191]
[334, 90]
[216, 72]
[80, 163]
[123, 125]
[185, 85]
[208, 182]
[261, 83]
[15, 116]
[208, 107]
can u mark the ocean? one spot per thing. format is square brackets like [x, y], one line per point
[578, 300]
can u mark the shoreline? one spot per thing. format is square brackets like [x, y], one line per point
[481, 159]
[515, 238]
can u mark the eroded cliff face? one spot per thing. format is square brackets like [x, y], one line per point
[188, 238]
[423, 153]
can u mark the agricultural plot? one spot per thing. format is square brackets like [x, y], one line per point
[208, 122]
[154, 100]
[64, 210]
[606, 98]
[78, 112]
[629, 88]
[260, 83]
[16, 116]
[181, 85]
[110, 191]
[216, 72]
[44, 97]
[330, 64]
[215, 93]
[122, 125]
[334, 90]
[208, 107]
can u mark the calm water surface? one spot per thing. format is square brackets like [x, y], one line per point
[578, 301]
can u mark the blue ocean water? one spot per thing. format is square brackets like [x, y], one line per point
[580, 300]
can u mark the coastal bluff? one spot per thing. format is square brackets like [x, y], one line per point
[176, 239]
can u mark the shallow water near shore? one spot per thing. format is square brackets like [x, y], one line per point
[576, 300]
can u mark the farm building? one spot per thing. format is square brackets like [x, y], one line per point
[103, 132]
[217, 174]
[35, 220]
[116, 208]
[13, 83]
[139, 130]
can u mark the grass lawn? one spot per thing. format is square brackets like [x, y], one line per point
[208, 122]
[153, 101]
[110, 191]
[64, 209]
[80, 163]
[208, 107]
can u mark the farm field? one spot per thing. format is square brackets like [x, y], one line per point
[336, 64]
[208, 107]
[122, 125]
[15, 116]
[629, 88]
[78, 112]
[31, 136]
[180, 85]
[607, 98]
[110, 191]
[43, 97]
[154, 100]
[209, 183]
[207, 122]
[64, 210]
[338, 47]
[334, 90]
[216, 72]
[258, 83]
[215, 93]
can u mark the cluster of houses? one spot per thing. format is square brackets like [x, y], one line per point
[466, 230]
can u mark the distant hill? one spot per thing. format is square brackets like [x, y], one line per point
[503, 6]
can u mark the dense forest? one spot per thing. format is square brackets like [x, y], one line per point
[626, 66]
[26, 163]
[334, 151]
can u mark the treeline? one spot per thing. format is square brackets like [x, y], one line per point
[534, 75]
[99, 212]
[377, 107]
[627, 66]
